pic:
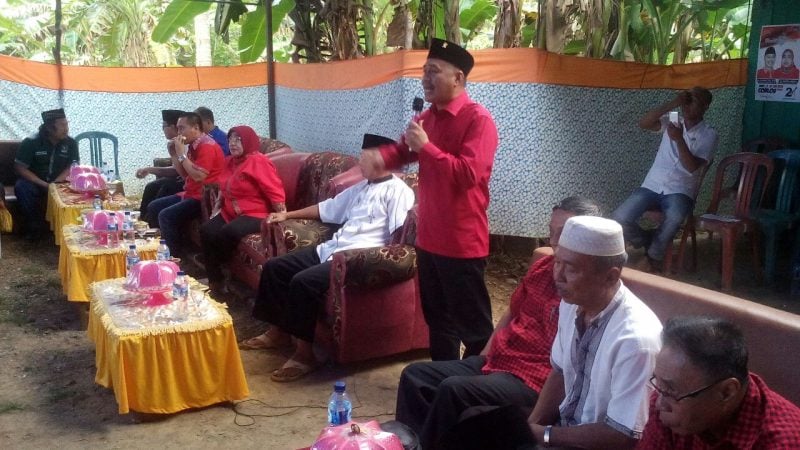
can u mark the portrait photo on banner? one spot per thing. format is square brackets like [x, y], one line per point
[777, 74]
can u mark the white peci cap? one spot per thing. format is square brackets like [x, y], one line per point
[595, 236]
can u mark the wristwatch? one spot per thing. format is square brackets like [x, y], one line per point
[546, 436]
[181, 158]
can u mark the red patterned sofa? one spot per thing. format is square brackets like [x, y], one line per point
[308, 178]
[372, 308]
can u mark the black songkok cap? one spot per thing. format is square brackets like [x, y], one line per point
[452, 53]
[52, 115]
[373, 140]
[171, 116]
[769, 51]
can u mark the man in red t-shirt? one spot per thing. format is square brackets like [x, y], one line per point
[512, 367]
[199, 160]
[706, 397]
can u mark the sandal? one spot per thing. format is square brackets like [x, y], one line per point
[293, 370]
[261, 342]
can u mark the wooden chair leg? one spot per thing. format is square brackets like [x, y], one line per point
[728, 251]
[755, 241]
[667, 268]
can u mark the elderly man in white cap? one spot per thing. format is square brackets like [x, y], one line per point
[604, 352]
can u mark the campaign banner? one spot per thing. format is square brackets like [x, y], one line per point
[777, 75]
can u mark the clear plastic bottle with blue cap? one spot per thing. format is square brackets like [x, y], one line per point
[131, 258]
[97, 203]
[340, 408]
[162, 253]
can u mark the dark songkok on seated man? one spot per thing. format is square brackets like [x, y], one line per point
[42, 159]
[167, 181]
[292, 286]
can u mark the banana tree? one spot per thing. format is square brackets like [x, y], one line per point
[253, 40]
[508, 24]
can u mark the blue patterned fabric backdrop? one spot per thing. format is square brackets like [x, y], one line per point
[555, 141]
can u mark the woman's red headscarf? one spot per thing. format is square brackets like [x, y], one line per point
[250, 141]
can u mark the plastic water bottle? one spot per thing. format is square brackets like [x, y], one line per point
[127, 228]
[180, 287]
[97, 204]
[340, 409]
[162, 254]
[105, 171]
[113, 231]
[131, 258]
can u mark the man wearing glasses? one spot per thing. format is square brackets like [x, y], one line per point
[706, 398]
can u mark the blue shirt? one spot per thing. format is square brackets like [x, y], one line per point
[221, 138]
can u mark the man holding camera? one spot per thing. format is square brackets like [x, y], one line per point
[687, 146]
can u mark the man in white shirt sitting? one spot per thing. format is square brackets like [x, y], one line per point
[687, 146]
[292, 286]
[597, 394]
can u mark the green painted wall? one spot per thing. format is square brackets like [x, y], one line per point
[764, 119]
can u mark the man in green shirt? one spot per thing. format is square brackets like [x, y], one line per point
[42, 159]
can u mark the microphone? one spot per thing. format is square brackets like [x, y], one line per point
[416, 106]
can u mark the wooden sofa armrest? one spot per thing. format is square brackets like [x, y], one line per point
[373, 267]
[210, 196]
[290, 235]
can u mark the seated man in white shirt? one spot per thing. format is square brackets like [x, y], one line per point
[292, 286]
[687, 146]
[597, 394]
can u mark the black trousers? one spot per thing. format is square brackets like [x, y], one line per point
[220, 239]
[291, 290]
[495, 427]
[432, 395]
[160, 187]
[455, 303]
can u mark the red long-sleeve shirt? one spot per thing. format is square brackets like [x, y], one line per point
[250, 188]
[454, 170]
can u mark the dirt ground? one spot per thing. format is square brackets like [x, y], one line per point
[48, 398]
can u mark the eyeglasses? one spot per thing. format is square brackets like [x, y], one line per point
[234, 139]
[672, 397]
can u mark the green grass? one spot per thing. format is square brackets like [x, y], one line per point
[6, 407]
[31, 270]
[57, 394]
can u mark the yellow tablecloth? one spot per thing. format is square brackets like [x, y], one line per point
[81, 261]
[169, 367]
[64, 206]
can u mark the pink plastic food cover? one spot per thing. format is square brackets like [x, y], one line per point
[86, 182]
[357, 436]
[97, 221]
[151, 276]
[75, 171]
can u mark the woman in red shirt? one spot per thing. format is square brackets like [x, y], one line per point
[249, 189]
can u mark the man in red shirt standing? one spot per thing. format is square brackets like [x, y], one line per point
[706, 398]
[455, 142]
[199, 160]
[515, 363]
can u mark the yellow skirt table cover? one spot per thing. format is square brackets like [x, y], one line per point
[64, 206]
[81, 261]
[164, 368]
